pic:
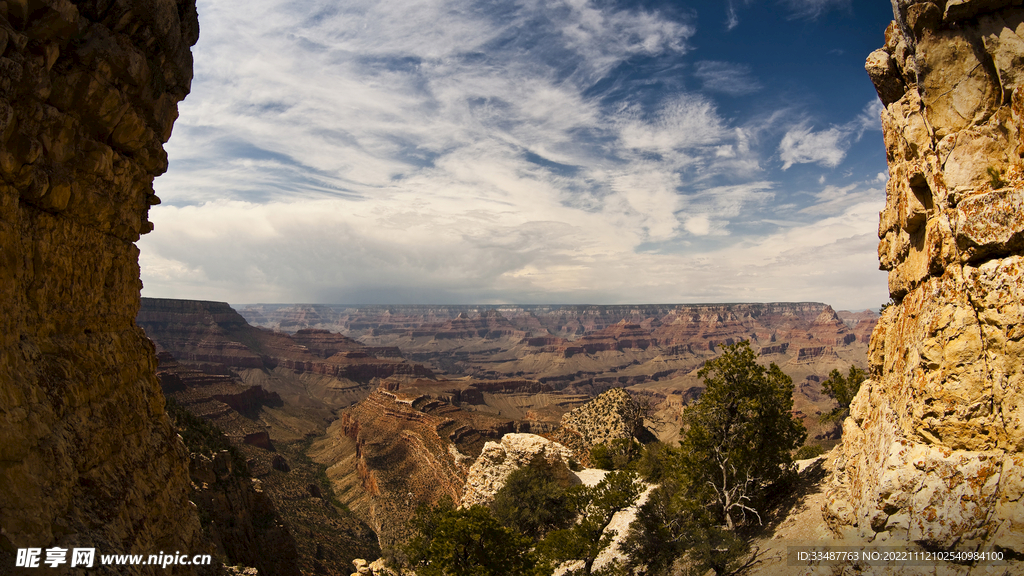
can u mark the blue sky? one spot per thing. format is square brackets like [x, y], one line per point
[533, 151]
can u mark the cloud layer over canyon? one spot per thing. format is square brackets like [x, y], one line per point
[530, 152]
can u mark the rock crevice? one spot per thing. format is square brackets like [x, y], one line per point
[934, 449]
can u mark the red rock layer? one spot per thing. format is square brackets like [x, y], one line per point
[213, 333]
[407, 449]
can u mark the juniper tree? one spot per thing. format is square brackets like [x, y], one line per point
[533, 500]
[842, 390]
[594, 506]
[736, 444]
[453, 541]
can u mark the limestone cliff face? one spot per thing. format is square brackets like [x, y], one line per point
[934, 450]
[88, 95]
[498, 460]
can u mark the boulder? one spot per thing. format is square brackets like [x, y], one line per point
[498, 460]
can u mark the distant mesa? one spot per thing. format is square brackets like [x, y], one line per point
[586, 350]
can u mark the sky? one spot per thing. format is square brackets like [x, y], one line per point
[525, 152]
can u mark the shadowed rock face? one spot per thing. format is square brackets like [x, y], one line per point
[212, 338]
[934, 450]
[88, 96]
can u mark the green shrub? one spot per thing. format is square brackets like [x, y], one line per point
[809, 451]
[843, 389]
[533, 501]
[465, 542]
[600, 457]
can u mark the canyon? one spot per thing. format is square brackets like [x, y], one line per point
[345, 418]
[577, 352]
[388, 434]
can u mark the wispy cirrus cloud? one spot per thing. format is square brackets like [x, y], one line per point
[726, 77]
[813, 8]
[463, 151]
[804, 145]
[796, 9]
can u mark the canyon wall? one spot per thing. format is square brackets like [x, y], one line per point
[934, 449]
[88, 96]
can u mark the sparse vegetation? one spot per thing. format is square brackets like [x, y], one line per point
[533, 501]
[809, 451]
[203, 437]
[842, 390]
[594, 508]
[465, 542]
[633, 414]
[995, 178]
[534, 525]
[615, 455]
[737, 449]
[736, 446]
[738, 437]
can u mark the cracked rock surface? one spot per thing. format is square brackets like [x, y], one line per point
[933, 452]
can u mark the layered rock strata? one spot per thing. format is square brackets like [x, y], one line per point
[399, 448]
[934, 449]
[214, 338]
[702, 326]
[88, 96]
[283, 519]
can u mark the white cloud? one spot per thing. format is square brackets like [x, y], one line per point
[349, 251]
[798, 9]
[438, 151]
[870, 118]
[802, 145]
[683, 123]
[832, 200]
[606, 37]
[698, 225]
[812, 9]
[732, 20]
[726, 77]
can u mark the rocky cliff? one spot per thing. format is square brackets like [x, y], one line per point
[582, 351]
[310, 365]
[600, 421]
[271, 394]
[701, 325]
[399, 448]
[88, 96]
[934, 449]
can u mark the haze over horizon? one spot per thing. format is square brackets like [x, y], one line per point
[568, 152]
[512, 305]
